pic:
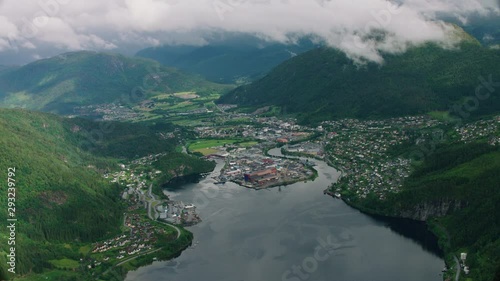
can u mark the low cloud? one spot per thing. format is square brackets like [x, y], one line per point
[362, 28]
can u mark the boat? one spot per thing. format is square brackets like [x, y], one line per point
[337, 195]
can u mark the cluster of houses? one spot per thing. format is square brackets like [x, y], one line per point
[132, 178]
[483, 129]
[142, 234]
[359, 149]
[421, 121]
[141, 238]
[224, 107]
[311, 148]
[108, 112]
[260, 128]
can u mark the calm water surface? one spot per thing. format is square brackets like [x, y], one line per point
[292, 233]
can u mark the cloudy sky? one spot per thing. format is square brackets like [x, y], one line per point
[32, 29]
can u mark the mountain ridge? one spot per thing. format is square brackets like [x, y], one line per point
[63, 201]
[324, 83]
[60, 83]
[227, 62]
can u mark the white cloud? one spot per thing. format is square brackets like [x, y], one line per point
[7, 27]
[346, 24]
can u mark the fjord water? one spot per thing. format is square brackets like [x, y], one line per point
[267, 234]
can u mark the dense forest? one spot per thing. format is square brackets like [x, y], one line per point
[237, 60]
[325, 84]
[456, 189]
[61, 195]
[83, 78]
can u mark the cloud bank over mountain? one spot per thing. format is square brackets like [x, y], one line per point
[361, 28]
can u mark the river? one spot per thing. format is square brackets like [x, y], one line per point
[292, 233]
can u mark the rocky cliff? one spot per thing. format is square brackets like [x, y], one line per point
[437, 208]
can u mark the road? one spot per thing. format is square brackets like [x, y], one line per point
[457, 265]
[151, 201]
[133, 258]
[149, 252]
[152, 251]
[175, 227]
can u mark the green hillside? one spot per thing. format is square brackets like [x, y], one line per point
[324, 84]
[85, 78]
[467, 176]
[461, 180]
[485, 27]
[5, 68]
[232, 61]
[63, 202]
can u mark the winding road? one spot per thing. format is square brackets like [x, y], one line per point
[175, 227]
[133, 258]
[152, 202]
[457, 265]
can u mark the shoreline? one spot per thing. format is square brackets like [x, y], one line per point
[431, 227]
[315, 176]
[163, 253]
[279, 184]
[284, 183]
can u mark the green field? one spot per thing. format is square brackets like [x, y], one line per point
[85, 249]
[52, 275]
[248, 143]
[186, 95]
[210, 143]
[441, 115]
[206, 151]
[83, 77]
[206, 147]
[60, 175]
[192, 121]
[65, 263]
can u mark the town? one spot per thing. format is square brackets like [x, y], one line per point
[364, 151]
[146, 220]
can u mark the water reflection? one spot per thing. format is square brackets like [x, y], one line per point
[291, 233]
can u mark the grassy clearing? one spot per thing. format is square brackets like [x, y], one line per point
[186, 95]
[248, 144]
[51, 275]
[206, 147]
[189, 122]
[84, 249]
[206, 151]
[65, 263]
[210, 143]
[441, 115]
